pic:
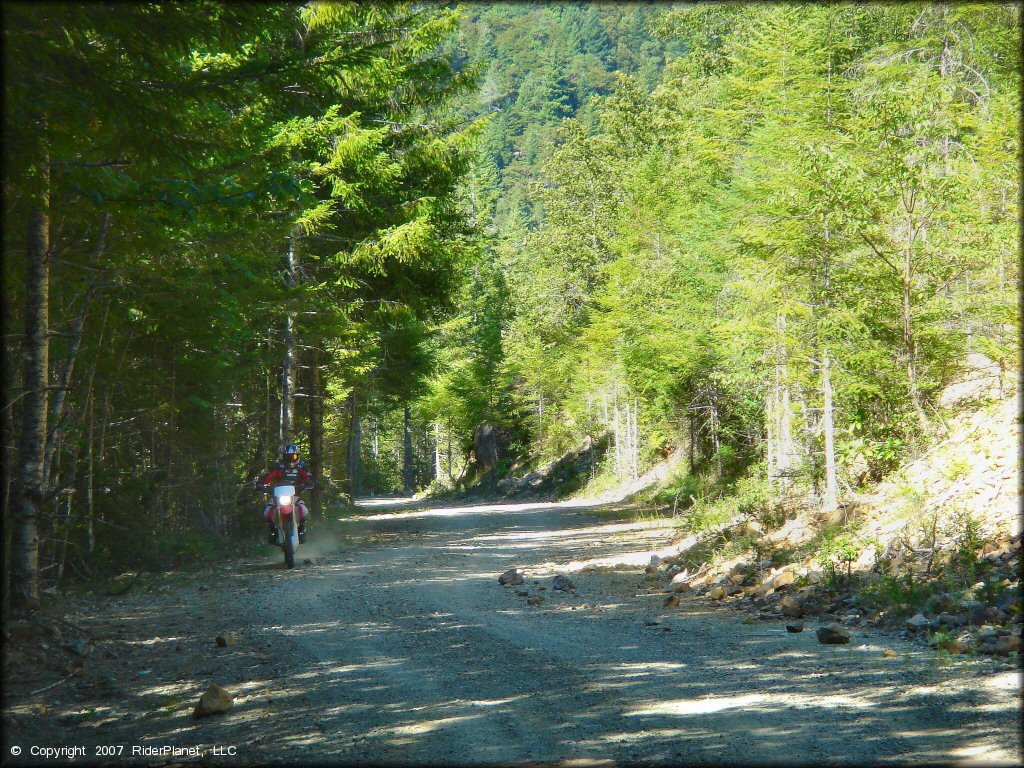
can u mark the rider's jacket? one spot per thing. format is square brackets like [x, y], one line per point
[282, 474]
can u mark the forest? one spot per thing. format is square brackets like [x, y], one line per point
[763, 237]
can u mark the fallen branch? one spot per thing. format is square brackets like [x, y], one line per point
[51, 685]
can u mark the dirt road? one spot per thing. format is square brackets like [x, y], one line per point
[397, 645]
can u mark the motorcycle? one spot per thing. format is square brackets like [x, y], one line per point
[286, 521]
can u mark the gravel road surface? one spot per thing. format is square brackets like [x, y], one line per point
[397, 645]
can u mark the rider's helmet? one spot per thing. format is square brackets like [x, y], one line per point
[291, 455]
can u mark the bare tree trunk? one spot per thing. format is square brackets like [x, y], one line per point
[316, 432]
[540, 423]
[635, 440]
[57, 408]
[30, 490]
[355, 439]
[90, 536]
[288, 364]
[407, 476]
[437, 450]
[451, 479]
[831, 482]
[909, 344]
[715, 441]
[618, 434]
[769, 416]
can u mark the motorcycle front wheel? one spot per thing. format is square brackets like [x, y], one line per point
[289, 550]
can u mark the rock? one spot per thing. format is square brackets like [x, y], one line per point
[733, 589]
[77, 645]
[949, 620]
[736, 578]
[563, 584]
[1004, 646]
[792, 606]
[535, 600]
[655, 562]
[833, 634]
[75, 667]
[783, 579]
[683, 586]
[214, 701]
[917, 623]
[681, 577]
[989, 614]
[867, 559]
[671, 601]
[228, 638]
[307, 561]
[958, 647]
[794, 626]
[717, 593]
[513, 576]
[889, 653]
[522, 594]
[764, 590]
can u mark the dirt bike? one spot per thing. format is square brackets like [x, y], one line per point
[285, 519]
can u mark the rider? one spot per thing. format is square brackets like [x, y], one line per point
[288, 471]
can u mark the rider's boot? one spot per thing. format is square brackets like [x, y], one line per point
[302, 531]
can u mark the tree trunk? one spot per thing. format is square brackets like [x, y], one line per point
[30, 491]
[831, 483]
[316, 432]
[355, 440]
[288, 364]
[407, 477]
[617, 433]
[90, 535]
[437, 450]
[910, 346]
[57, 407]
[451, 479]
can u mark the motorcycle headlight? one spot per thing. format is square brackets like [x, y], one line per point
[284, 501]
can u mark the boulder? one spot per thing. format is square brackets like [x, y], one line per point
[563, 584]
[717, 593]
[1005, 645]
[792, 606]
[215, 701]
[764, 590]
[535, 600]
[681, 577]
[513, 577]
[683, 586]
[917, 623]
[228, 638]
[950, 620]
[958, 647]
[889, 653]
[783, 579]
[671, 601]
[833, 634]
[794, 626]
[733, 589]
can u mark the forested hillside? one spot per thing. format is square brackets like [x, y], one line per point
[432, 245]
[773, 254]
